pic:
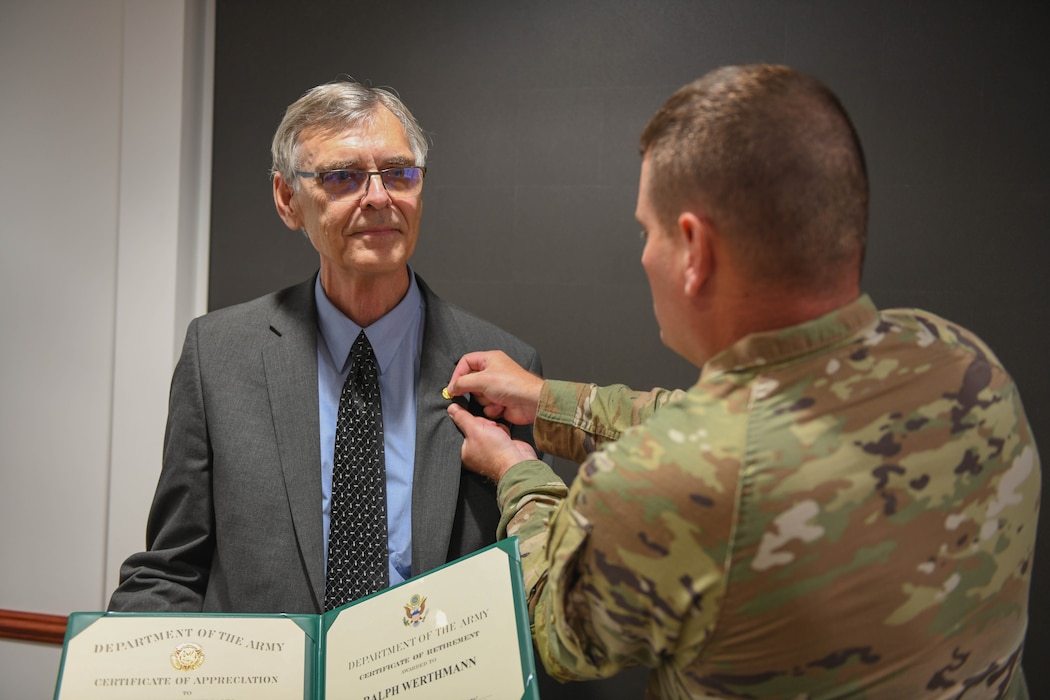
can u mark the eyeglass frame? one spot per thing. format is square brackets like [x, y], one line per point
[319, 176]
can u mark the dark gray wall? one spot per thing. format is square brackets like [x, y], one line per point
[535, 108]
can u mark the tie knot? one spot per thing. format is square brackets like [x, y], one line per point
[361, 351]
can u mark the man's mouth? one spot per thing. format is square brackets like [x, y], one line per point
[377, 231]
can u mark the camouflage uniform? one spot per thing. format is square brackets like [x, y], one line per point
[841, 509]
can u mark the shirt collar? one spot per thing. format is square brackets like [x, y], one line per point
[759, 350]
[385, 335]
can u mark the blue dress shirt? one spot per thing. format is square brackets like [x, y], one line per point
[397, 342]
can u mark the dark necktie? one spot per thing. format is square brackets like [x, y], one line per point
[357, 539]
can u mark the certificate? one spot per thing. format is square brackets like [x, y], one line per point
[459, 631]
[110, 656]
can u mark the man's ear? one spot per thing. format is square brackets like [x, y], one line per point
[697, 237]
[284, 199]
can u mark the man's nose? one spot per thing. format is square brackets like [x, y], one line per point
[376, 197]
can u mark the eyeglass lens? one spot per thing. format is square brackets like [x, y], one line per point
[345, 183]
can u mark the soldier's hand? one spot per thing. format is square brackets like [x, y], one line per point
[488, 448]
[499, 384]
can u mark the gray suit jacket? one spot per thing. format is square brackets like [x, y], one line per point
[235, 524]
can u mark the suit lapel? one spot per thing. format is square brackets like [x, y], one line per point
[290, 362]
[435, 487]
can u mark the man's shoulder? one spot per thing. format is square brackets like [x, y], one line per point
[468, 330]
[294, 301]
[444, 311]
[927, 330]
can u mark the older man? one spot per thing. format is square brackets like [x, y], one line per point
[308, 459]
[843, 506]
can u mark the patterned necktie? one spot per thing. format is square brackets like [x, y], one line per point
[357, 539]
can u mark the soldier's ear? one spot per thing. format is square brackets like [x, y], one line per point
[697, 235]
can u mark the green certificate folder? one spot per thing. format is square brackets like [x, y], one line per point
[459, 631]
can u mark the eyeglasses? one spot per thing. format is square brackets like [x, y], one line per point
[341, 184]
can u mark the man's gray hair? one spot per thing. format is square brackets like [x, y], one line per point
[334, 108]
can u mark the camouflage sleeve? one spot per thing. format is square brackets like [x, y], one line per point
[529, 493]
[599, 600]
[579, 632]
[575, 419]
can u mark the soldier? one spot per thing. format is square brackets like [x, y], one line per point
[843, 505]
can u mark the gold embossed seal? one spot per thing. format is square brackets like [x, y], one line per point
[187, 657]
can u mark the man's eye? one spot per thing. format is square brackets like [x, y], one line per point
[341, 176]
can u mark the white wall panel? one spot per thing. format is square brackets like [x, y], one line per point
[103, 134]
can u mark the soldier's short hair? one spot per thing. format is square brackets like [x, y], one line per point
[774, 159]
